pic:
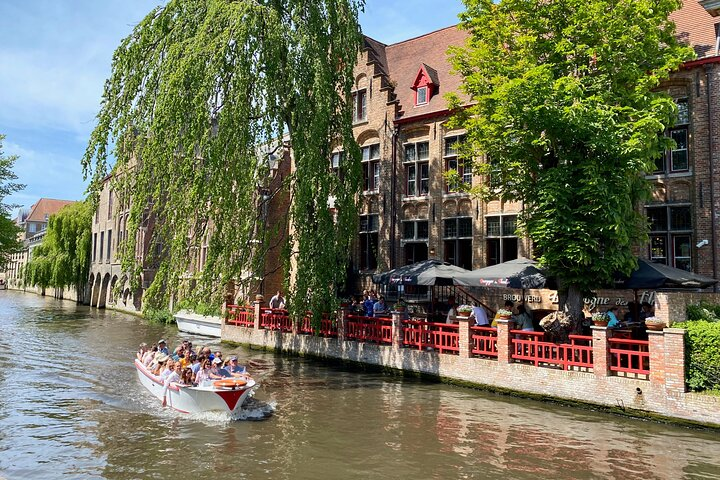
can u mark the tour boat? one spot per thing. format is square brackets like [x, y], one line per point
[198, 324]
[225, 396]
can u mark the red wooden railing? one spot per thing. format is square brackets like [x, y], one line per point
[368, 329]
[531, 347]
[242, 316]
[328, 326]
[629, 356]
[483, 341]
[275, 319]
[443, 337]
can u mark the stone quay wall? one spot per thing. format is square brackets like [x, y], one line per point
[660, 393]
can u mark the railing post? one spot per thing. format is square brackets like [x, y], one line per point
[258, 311]
[601, 352]
[504, 341]
[464, 337]
[294, 324]
[674, 360]
[397, 335]
[656, 348]
[341, 318]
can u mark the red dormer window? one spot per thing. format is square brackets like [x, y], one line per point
[424, 85]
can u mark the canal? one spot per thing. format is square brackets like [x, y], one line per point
[72, 407]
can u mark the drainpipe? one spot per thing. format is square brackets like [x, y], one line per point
[393, 209]
[708, 90]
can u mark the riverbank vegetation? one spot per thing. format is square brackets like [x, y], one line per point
[566, 115]
[702, 347]
[201, 98]
[9, 243]
[62, 260]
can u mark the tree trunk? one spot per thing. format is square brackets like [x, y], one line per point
[570, 301]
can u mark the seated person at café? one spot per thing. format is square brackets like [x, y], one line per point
[480, 316]
[523, 320]
[508, 306]
[451, 312]
[380, 309]
[647, 311]
[612, 314]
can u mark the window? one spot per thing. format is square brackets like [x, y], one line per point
[371, 167]
[671, 235]
[457, 238]
[368, 241]
[359, 106]
[94, 256]
[454, 162]
[109, 244]
[102, 242]
[110, 204]
[421, 96]
[417, 169]
[415, 230]
[676, 159]
[337, 159]
[500, 239]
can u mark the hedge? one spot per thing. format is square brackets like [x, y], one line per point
[702, 347]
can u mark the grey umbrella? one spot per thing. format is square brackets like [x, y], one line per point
[652, 275]
[428, 272]
[520, 273]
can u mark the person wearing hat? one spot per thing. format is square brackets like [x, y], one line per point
[217, 372]
[235, 369]
[162, 347]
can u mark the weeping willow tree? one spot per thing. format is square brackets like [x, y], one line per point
[200, 93]
[63, 258]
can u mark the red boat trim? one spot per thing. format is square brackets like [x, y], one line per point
[231, 397]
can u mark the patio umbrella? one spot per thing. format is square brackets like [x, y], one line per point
[650, 275]
[520, 273]
[428, 272]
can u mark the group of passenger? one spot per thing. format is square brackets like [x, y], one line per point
[632, 316]
[185, 366]
[372, 305]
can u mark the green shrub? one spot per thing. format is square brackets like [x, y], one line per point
[158, 316]
[702, 347]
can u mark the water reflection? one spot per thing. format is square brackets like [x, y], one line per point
[72, 407]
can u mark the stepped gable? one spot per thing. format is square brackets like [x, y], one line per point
[404, 60]
[45, 207]
[696, 27]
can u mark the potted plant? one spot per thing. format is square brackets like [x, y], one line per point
[464, 310]
[654, 323]
[400, 305]
[504, 314]
[600, 319]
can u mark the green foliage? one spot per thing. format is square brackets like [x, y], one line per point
[708, 312]
[9, 243]
[702, 349]
[564, 111]
[63, 258]
[158, 316]
[199, 94]
[200, 308]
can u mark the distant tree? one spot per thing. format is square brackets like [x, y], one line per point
[63, 258]
[564, 109]
[9, 230]
[199, 95]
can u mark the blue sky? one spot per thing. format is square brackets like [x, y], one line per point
[55, 56]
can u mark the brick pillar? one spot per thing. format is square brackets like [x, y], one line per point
[504, 342]
[657, 358]
[601, 352]
[341, 316]
[663, 308]
[464, 340]
[674, 360]
[258, 304]
[397, 335]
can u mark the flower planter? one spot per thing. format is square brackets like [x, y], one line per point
[656, 327]
[600, 323]
[400, 309]
[505, 317]
[463, 314]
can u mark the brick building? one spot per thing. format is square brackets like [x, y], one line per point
[408, 212]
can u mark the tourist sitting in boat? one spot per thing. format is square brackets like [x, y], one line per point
[186, 378]
[142, 350]
[162, 346]
[169, 368]
[172, 374]
[234, 369]
[184, 360]
[217, 372]
[149, 356]
[195, 362]
[158, 364]
[203, 374]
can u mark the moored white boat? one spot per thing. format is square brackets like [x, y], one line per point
[225, 399]
[198, 324]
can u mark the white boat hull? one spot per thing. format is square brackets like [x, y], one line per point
[198, 324]
[195, 399]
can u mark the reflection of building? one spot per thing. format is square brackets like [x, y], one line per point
[409, 213]
[33, 224]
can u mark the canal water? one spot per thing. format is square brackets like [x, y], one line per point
[72, 407]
